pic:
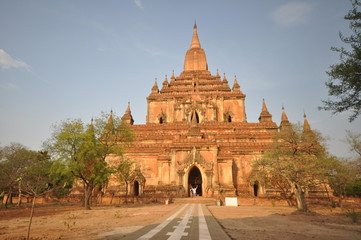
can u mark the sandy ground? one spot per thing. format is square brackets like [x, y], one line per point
[265, 222]
[73, 222]
[57, 221]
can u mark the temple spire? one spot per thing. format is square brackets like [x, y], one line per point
[265, 116]
[306, 125]
[225, 81]
[109, 127]
[195, 59]
[236, 86]
[284, 120]
[127, 117]
[155, 88]
[128, 109]
[110, 119]
[165, 82]
[284, 117]
[195, 40]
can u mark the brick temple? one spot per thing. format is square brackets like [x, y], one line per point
[197, 135]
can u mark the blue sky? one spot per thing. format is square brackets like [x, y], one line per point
[74, 59]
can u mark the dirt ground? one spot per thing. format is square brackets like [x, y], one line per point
[69, 221]
[266, 222]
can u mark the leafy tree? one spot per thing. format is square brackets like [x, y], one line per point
[27, 170]
[354, 188]
[345, 77]
[341, 175]
[354, 141]
[37, 181]
[123, 171]
[16, 158]
[296, 161]
[82, 150]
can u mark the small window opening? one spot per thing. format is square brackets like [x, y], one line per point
[136, 188]
[255, 188]
[229, 118]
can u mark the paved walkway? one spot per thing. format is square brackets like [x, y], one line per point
[188, 221]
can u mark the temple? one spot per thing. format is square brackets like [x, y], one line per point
[196, 134]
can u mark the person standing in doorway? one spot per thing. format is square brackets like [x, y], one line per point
[194, 191]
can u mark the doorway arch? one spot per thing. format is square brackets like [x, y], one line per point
[255, 188]
[136, 188]
[195, 180]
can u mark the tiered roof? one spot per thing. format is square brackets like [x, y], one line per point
[195, 78]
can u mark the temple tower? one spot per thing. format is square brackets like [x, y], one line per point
[196, 94]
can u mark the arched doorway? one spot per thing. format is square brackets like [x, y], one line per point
[195, 180]
[136, 188]
[255, 188]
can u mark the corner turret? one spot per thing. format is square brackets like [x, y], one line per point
[155, 88]
[265, 116]
[236, 87]
[284, 120]
[127, 117]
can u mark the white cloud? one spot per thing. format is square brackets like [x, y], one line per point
[292, 14]
[6, 61]
[138, 3]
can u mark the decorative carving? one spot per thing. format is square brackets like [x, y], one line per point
[137, 176]
[196, 157]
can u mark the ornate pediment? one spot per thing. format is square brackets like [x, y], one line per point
[196, 157]
[137, 176]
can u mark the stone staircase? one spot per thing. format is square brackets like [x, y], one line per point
[203, 200]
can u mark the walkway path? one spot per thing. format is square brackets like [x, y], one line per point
[188, 221]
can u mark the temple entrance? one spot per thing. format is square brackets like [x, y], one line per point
[195, 180]
[136, 188]
[255, 188]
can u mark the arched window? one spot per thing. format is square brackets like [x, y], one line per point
[162, 118]
[195, 117]
[229, 118]
[136, 188]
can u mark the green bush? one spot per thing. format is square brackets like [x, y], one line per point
[60, 193]
[354, 189]
[355, 216]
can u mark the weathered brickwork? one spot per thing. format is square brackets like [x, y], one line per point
[197, 135]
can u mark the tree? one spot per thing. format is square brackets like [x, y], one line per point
[37, 181]
[354, 187]
[27, 170]
[16, 158]
[123, 171]
[354, 140]
[82, 150]
[296, 160]
[344, 83]
[341, 175]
